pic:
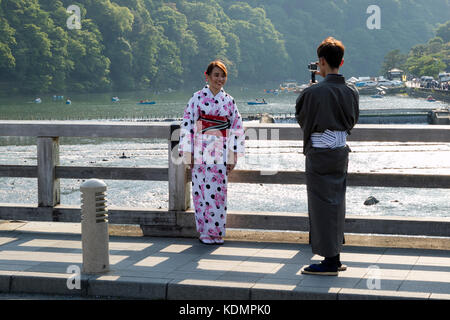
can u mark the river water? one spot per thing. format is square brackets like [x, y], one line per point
[430, 158]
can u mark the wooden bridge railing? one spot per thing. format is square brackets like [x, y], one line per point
[178, 219]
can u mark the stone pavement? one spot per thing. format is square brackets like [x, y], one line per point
[37, 257]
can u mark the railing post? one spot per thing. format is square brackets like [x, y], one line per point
[179, 186]
[47, 160]
[94, 227]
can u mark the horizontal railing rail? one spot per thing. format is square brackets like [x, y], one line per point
[178, 220]
[258, 131]
[237, 176]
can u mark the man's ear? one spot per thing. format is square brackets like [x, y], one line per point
[322, 60]
[342, 62]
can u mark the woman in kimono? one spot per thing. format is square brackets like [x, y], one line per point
[211, 138]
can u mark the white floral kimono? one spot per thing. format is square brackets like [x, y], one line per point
[209, 173]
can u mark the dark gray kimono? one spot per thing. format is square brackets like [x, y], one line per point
[332, 104]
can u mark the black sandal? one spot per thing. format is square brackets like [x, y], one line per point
[321, 270]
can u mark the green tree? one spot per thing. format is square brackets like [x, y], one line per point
[393, 59]
[418, 50]
[90, 71]
[7, 40]
[435, 45]
[211, 45]
[33, 54]
[145, 49]
[140, 44]
[431, 58]
[263, 54]
[184, 47]
[443, 31]
[169, 65]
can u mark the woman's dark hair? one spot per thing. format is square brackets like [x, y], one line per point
[332, 50]
[216, 63]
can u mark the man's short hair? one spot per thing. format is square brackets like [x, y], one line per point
[332, 50]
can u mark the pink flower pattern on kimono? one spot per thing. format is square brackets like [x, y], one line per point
[219, 199]
[208, 213]
[218, 175]
[209, 174]
[215, 232]
[200, 225]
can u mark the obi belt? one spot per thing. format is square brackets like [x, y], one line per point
[213, 125]
[329, 139]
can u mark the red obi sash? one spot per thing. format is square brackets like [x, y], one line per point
[213, 125]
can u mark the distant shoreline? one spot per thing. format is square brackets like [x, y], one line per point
[443, 95]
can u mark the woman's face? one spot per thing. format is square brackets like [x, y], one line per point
[216, 79]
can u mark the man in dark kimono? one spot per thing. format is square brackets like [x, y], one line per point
[326, 112]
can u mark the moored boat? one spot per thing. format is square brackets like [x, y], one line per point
[146, 102]
[431, 99]
[256, 102]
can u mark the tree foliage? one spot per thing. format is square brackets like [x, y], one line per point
[140, 44]
[423, 59]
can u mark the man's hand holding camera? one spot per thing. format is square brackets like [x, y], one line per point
[313, 67]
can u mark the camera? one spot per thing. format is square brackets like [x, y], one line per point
[312, 66]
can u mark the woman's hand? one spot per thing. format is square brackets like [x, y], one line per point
[232, 161]
[188, 159]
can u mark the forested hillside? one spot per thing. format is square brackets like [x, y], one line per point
[424, 59]
[156, 44]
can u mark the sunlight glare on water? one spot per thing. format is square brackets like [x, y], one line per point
[366, 157]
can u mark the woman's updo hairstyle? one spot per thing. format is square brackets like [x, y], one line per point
[216, 63]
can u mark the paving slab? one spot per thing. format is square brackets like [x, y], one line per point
[5, 279]
[128, 287]
[41, 282]
[369, 294]
[439, 296]
[5, 240]
[276, 289]
[194, 289]
[289, 271]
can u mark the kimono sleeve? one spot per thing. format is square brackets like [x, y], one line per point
[236, 140]
[306, 116]
[187, 128]
[300, 109]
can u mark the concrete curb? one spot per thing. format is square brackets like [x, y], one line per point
[128, 287]
[165, 289]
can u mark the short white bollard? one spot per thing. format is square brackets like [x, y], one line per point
[94, 227]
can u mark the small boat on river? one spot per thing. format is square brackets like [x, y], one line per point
[146, 102]
[254, 103]
[379, 94]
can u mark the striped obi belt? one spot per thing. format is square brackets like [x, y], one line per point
[329, 139]
[213, 125]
